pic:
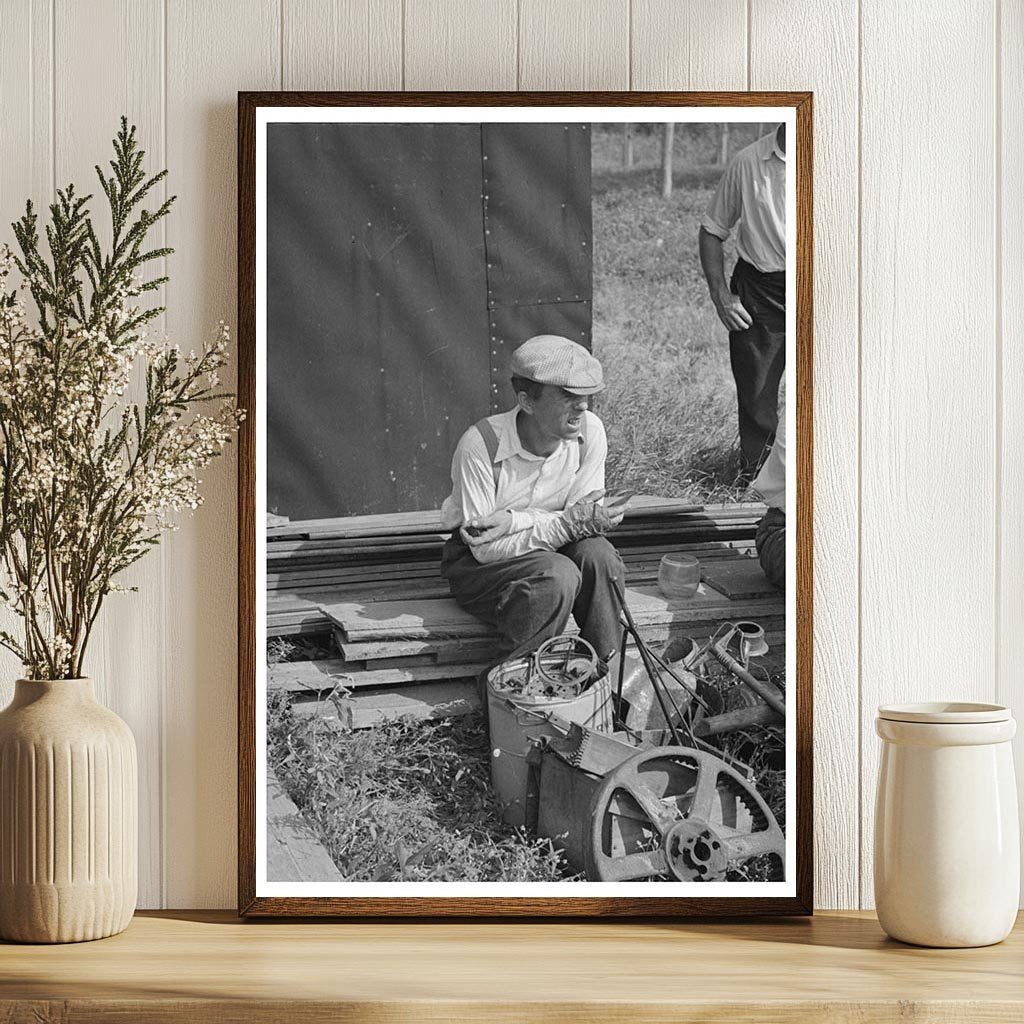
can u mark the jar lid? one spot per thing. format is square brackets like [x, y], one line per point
[945, 713]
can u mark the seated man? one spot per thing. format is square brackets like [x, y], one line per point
[525, 509]
[770, 486]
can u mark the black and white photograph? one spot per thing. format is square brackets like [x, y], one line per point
[525, 582]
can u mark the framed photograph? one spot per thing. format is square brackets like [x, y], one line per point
[525, 504]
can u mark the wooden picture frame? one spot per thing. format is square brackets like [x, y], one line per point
[253, 897]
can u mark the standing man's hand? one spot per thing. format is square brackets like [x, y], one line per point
[731, 311]
[484, 529]
[712, 260]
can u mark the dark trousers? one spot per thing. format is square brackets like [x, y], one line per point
[529, 599]
[770, 541]
[758, 357]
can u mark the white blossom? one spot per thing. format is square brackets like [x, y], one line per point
[87, 483]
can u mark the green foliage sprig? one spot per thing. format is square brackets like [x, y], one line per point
[89, 478]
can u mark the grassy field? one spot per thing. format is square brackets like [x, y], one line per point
[670, 406]
[406, 801]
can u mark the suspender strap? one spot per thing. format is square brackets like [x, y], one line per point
[491, 444]
[490, 437]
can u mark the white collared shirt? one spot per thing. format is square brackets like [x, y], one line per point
[536, 489]
[753, 191]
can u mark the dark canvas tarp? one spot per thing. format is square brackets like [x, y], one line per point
[538, 235]
[404, 263]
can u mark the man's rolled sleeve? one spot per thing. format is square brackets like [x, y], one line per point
[548, 533]
[724, 209]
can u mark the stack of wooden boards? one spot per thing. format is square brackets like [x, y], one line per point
[407, 648]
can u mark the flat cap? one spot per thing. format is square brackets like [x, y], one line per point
[551, 359]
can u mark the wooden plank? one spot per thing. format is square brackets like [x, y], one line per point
[394, 525]
[342, 576]
[129, 669]
[444, 652]
[327, 576]
[212, 51]
[640, 567]
[928, 398]
[422, 619]
[468, 45]
[308, 617]
[420, 590]
[644, 602]
[421, 702]
[740, 579]
[406, 619]
[424, 546]
[830, 69]
[700, 44]
[342, 44]
[308, 627]
[574, 44]
[322, 676]
[343, 537]
[429, 520]
[1011, 314]
[323, 559]
[294, 853]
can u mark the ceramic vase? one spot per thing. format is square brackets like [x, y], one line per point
[947, 847]
[68, 815]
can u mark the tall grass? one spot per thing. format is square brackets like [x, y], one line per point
[405, 801]
[670, 406]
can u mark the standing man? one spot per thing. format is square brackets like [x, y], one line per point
[525, 511]
[753, 306]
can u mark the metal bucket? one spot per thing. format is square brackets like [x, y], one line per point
[516, 720]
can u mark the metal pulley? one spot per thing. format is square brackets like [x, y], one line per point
[677, 814]
[560, 669]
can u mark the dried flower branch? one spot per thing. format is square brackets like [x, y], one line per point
[89, 478]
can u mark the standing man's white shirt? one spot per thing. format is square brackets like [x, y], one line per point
[753, 192]
[770, 482]
[536, 489]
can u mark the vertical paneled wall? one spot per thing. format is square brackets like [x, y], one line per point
[919, 270]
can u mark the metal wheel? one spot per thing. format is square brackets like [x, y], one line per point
[677, 814]
[562, 668]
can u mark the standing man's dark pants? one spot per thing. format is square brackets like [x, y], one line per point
[770, 541]
[529, 599]
[758, 357]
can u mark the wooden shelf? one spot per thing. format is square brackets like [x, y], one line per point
[209, 966]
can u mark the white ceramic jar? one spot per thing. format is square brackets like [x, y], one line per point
[947, 847]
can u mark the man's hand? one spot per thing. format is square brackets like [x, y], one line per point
[484, 529]
[712, 261]
[731, 311]
[588, 518]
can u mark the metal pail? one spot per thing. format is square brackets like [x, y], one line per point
[514, 721]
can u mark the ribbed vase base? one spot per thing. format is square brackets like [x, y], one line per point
[74, 913]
